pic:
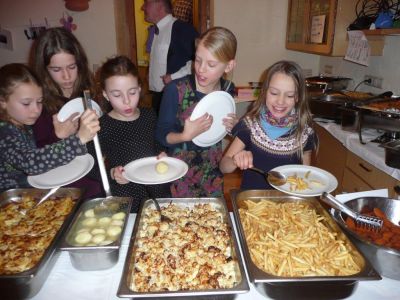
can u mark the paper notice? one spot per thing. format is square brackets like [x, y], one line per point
[358, 50]
[317, 29]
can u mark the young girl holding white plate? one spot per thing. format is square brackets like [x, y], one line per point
[215, 57]
[276, 131]
[21, 102]
[127, 132]
[61, 62]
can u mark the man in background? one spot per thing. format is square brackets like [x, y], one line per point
[172, 49]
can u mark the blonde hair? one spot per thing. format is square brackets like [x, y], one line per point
[221, 42]
[294, 71]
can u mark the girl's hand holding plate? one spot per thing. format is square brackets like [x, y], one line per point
[230, 121]
[197, 126]
[116, 174]
[66, 128]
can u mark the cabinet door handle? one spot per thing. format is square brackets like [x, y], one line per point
[364, 167]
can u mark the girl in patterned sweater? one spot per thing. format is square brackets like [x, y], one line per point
[20, 106]
[277, 129]
[127, 132]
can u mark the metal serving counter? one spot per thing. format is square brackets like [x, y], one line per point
[65, 282]
[370, 152]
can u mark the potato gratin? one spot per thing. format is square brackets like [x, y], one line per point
[193, 252]
[291, 239]
[25, 238]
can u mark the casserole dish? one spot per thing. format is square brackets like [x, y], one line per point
[199, 244]
[25, 284]
[94, 236]
[311, 286]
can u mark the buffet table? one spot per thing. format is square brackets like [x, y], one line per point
[65, 282]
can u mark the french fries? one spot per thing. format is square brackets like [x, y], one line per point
[290, 239]
[297, 183]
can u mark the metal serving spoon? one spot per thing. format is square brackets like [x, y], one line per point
[273, 177]
[44, 198]
[163, 218]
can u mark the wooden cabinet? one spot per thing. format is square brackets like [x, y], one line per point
[330, 37]
[330, 156]
[369, 177]
[352, 172]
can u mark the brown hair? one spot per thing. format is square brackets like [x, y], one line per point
[116, 66]
[51, 42]
[10, 76]
[294, 71]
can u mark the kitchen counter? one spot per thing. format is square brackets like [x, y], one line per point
[65, 282]
[370, 152]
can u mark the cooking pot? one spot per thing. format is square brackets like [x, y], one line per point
[324, 83]
[392, 153]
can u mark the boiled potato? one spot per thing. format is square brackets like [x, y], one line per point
[83, 237]
[98, 231]
[105, 242]
[89, 222]
[89, 213]
[162, 167]
[117, 222]
[98, 238]
[118, 216]
[85, 229]
[104, 221]
[114, 231]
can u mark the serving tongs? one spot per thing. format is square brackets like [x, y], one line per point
[368, 222]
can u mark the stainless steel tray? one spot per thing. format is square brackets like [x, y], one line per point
[320, 287]
[90, 258]
[28, 283]
[242, 287]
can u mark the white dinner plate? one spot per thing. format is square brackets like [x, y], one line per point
[60, 176]
[218, 104]
[73, 106]
[318, 180]
[143, 170]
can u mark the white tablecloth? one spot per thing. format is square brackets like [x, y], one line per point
[66, 283]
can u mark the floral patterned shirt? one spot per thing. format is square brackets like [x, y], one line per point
[203, 178]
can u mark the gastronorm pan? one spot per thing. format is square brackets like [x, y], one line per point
[242, 286]
[317, 287]
[28, 283]
[96, 257]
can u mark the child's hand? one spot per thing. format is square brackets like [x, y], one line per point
[230, 121]
[89, 126]
[66, 128]
[161, 155]
[243, 159]
[116, 174]
[196, 127]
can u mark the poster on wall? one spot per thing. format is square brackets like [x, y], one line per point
[6, 39]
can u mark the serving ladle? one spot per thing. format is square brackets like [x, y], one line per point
[274, 177]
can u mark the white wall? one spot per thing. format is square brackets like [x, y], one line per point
[96, 26]
[386, 66]
[260, 27]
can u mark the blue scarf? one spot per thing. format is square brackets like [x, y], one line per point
[274, 132]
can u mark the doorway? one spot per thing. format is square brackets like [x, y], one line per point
[129, 41]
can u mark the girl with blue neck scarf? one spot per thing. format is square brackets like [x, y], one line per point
[277, 129]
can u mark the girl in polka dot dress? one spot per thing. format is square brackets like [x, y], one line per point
[127, 132]
[20, 106]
